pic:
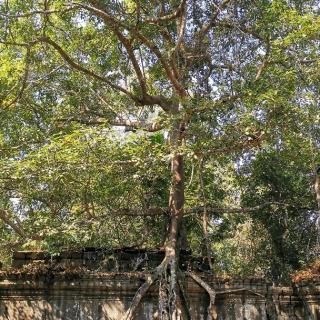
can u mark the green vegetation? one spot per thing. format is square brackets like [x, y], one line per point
[180, 125]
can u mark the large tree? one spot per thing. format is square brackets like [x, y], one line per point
[200, 88]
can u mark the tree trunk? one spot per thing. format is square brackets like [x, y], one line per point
[170, 296]
[173, 310]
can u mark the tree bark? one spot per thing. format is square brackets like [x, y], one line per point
[173, 238]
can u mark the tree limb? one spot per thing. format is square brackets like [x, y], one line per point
[181, 27]
[130, 125]
[250, 143]
[24, 80]
[97, 9]
[264, 62]
[132, 58]
[158, 211]
[129, 315]
[206, 27]
[168, 17]
[32, 13]
[84, 70]
[160, 100]
[73, 63]
[211, 210]
[16, 227]
[229, 24]
[222, 101]
[11, 245]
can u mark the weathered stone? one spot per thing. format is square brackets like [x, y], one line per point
[94, 295]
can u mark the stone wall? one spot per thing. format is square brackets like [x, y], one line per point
[58, 294]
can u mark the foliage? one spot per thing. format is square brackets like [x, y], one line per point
[94, 94]
[311, 272]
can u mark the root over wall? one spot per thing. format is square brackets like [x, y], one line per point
[56, 293]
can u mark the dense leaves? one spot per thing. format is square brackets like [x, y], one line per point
[92, 94]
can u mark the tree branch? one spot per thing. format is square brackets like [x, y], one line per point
[32, 13]
[181, 27]
[137, 212]
[24, 80]
[130, 125]
[211, 210]
[205, 28]
[168, 17]
[158, 211]
[250, 143]
[97, 9]
[147, 100]
[222, 101]
[11, 245]
[242, 28]
[16, 227]
[264, 62]
[84, 70]
[72, 63]
[129, 49]
[239, 290]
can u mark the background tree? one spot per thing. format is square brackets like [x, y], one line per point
[217, 99]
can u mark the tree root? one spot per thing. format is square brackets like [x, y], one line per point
[239, 290]
[129, 315]
[211, 311]
[170, 288]
[185, 301]
[137, 298]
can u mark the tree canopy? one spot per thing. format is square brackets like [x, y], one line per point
[175, 124]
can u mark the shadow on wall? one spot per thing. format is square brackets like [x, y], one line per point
[82, 308]
[61, 309]
[64, 308]
[108, 296]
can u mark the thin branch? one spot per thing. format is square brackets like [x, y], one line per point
[222, 101]
[211, 210]
[24, 80]
[264, 62]
[72, 63]
[11, 245]
[206, 27]
[129, 49]
[32, 13]
[182, 26]
[137, 125]
[130, 125]
[205, 218]
[229, 24]
[250, 143]
[185, 300]
[19, 44]
[129, 315]
[137, 212]
[46, 76]
[167, 17]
